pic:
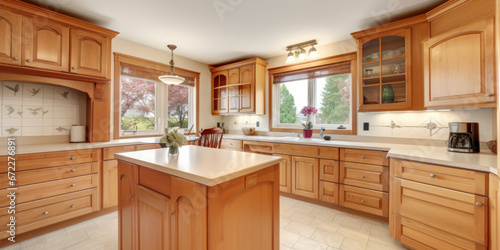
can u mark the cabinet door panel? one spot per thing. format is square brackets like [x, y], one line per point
[153, 219]
[109, 183]
[305, 177]
[459, 66]
[329, 192]
[89, 53]
[460, 214]
[329, 170]
[285, 173]
[128, 178]
[46, 44]
[247, 95]
[10, 41]
[234, 76]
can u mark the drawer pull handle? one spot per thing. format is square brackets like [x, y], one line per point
[362, 157]
[28, 60]
[15, 58]
[72, 158]
[45, 212]
[130, 196]
[72, 205]
[73, 185]
[73, 170]
[362, 201]
[432, 175]
[362, 176]
[479, 204]
[73, 68]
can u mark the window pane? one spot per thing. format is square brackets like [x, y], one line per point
[293, 96]
[178, 106]
[138, 101]
[333, 99]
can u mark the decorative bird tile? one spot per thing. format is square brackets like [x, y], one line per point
[64, 94]
[11, 130]
[10, 110]
[61, 129]
[34, 111]
[34, 91]
[15, 89]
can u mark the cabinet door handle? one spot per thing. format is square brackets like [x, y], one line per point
[73, 185]
[362, 176]
[362, 201]
[130, 196]
[362, 157]
[488, 95]
[72, 158]
[432, 175]
[28, 60]
[72, 205]
[479, 204]
[45, 212]
[73, 68]
[73, 170]
[15, 58]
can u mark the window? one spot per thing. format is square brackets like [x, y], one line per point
[146, 105]
[329, 88]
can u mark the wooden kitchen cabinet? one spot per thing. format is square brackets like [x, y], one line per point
[329, 170]
[45, 44]
[305, 177]
[90, 53]
[109, 183]
[388, 59]
[329, 192]
[285, 173]
[494, 196]
[10, 41]
[239, 88]
[231, 144]
[365, 200]
[460, 67]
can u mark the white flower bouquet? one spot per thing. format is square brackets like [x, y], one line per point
[173, 138]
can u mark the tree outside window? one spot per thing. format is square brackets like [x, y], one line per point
[178, 106]
[138, 101]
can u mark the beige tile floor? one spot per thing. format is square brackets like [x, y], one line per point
[303, 226]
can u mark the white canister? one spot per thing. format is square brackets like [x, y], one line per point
[77, 134]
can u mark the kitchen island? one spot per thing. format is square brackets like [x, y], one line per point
[203, 198]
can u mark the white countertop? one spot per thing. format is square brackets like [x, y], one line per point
[40, 148]
[207, 166]
[484, 161]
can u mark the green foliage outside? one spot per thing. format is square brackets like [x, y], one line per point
[174, 122]
[142, 123]
[288, 111]
[335, 102]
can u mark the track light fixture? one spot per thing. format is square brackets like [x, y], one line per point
[297, 53]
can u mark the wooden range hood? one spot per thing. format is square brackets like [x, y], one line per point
[46, 47]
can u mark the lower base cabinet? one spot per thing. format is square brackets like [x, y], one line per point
[285, 173]
[494, 192]
[305, 177]
[329, 192]
[175, 213]
[365, 200]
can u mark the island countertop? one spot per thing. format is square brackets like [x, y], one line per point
[207, 166]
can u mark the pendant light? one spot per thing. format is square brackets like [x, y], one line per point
[171, 79]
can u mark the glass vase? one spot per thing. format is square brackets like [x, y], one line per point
[173, 151]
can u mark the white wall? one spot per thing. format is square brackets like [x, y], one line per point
[407, 124]
[141, 51]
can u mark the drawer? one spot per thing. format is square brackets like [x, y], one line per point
[154, 180]
[365, 200]
[298, 150]
[50, 174]
[329, 192]
[329, 170]
[232, 144]
[329, 153]
[51, 159]
[454, 178]
[364, 156]
[457, 213]
[258, 147]
[365, 176]
[51, 188]
[40, 213]
[109, 153]
[146, 146]
[420, 236]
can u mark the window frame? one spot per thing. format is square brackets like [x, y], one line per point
[161, 93]
[348, 57]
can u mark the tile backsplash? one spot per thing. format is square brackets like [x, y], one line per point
[31, 109]
[424, 124]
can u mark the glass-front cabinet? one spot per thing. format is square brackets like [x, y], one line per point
[384, 65]
[220, 95]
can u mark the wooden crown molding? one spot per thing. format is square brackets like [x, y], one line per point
[315, 63]
[33, 10]
[445, 8]
[240, 64]
[390, 26]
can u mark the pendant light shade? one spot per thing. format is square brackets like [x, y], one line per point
[171, 79]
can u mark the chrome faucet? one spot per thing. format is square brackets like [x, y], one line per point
[321, 136]
[296, 134]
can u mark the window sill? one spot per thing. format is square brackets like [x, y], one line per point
[316, 131]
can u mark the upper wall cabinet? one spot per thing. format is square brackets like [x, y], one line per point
[45, 44]
[239, 88]
[41, 41]
[89, 53]
[388, 65]
[10, 41]
[460, 67]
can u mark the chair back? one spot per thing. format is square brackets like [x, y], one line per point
[211, 138]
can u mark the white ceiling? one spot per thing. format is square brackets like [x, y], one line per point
[241, 28]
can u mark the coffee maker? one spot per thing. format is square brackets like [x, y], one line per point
[464, 137]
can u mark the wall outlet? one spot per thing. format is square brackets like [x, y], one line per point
[257, 124]
[366, 126]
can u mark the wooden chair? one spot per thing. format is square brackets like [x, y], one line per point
[211, 138]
